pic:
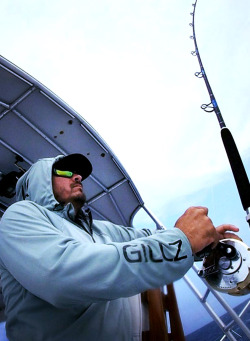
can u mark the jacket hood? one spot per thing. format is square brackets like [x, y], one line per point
[36, 184]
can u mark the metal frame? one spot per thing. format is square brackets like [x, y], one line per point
[236, 319]
[102, 191]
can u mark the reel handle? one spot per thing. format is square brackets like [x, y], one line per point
[226, 250]
[203, 253]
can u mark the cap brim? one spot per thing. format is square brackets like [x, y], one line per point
[76, 163]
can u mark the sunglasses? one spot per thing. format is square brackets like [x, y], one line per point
[63, 173]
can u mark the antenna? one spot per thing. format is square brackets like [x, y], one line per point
[239, 172]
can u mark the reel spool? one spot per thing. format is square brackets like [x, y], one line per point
[227, 267]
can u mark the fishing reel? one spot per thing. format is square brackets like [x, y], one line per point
[227, 267]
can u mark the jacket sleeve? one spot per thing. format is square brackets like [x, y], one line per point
[66, 272]
[120, 233]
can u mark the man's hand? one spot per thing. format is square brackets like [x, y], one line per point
[200, 230]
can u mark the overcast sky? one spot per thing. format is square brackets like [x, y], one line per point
[126, 67]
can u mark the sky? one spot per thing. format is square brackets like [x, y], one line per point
[126, 67]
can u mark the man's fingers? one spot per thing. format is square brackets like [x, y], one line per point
[231, 235]
[222, 231]
[227, 227]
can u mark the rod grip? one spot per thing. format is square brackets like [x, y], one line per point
[239, 172]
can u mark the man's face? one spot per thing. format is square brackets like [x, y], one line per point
[69, 190]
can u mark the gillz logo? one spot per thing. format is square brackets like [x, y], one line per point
[135, 253]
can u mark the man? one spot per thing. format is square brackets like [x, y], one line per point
[68, 278]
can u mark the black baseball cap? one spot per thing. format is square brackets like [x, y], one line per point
[76, 163]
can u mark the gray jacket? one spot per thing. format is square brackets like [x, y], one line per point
[65, 281]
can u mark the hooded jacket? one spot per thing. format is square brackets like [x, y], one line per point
[63, 280]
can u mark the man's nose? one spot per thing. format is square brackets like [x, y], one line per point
[77, 178]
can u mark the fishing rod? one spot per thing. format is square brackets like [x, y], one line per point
[238, 169]
[227, 267]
